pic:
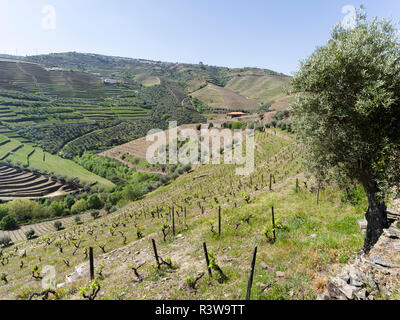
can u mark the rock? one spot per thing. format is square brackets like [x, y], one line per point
[263, 265]
[323, 296]
[361, 294]
[279, 274]
[339, 289]
[369, 276]
[362, 224]
[380, 261]
[313, 236]
[355, 277]
[393, 232]
[370, 282]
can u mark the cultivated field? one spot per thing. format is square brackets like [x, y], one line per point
[262, 89]
[218, 97]
[138, 147]
[16, 184]
[311, 239]
[147, 80]
[42, 227]
[34, 157]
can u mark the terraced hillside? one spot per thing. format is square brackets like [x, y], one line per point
[218, 97]
[261, 88]
[138, 147]
[55, 107]
[25, 154]
[16, 183]
[33, 78]
[249, 84]
[311, 239]
[69, 103]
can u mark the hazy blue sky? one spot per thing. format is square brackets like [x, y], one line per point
[256, 33]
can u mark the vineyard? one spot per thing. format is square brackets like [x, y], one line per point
[153, 248]
[25, 155]
[16, 183]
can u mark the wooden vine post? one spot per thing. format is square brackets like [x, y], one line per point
[250, 284]
[173, 221]
[207, 260]
[219, 220]
[270, 182]
[319, 186]
[297, 184]
[273, 223]
[155, 252]
[91, 263]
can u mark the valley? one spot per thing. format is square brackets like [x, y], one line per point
[312, 238]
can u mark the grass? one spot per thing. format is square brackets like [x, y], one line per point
[53, 163]
[218, 97]
[262, 89]
[311, 241]
[147, 80]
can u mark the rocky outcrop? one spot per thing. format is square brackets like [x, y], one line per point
[371, 276]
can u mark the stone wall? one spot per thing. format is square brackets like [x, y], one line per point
[371, 276]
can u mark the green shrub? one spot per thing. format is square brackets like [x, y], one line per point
[94, 202]
[114, 197]
[8, 223]
[77, 219]
[5, 241]
[353, 195]
[79, 206]
[107, 207]
[58, 225]
[95, 214]
[3, 211]
[237, 126]
[57, 208]
[30, 234]
[69, 202]
[25, 210]
[132, 192]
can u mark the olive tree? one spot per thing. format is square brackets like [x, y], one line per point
[347, 112]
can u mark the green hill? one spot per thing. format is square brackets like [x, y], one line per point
[310, 238]
[69, 103]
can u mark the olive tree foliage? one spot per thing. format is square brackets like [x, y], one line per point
[347, 112]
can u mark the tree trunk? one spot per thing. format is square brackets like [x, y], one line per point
[376, 216]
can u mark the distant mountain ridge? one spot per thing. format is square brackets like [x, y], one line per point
[72, 102]
[258, 86]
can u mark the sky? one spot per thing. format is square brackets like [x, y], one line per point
[272, 34]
